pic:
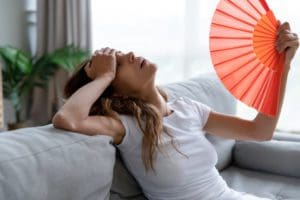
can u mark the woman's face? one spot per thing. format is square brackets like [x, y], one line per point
[134, 75]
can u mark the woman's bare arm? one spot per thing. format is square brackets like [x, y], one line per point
[77, 107]
[74, 114]
[261, 128]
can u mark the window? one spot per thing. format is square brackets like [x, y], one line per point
[164, 32]
[30, 7]
[174, 34]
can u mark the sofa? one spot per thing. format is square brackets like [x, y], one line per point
[45, 163]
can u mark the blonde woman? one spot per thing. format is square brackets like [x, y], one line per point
[162, 142]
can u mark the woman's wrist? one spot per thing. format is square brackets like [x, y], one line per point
[287, 68]
[107, 76]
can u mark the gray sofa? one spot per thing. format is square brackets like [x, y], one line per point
[44, 163]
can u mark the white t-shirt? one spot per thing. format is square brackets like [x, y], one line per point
[178, 177]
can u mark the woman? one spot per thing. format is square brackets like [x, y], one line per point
[162, 143]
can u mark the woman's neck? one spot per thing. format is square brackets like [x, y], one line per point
[155, 98]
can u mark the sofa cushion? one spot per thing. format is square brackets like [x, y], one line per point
[262, 184]
[48, 163]
[124, 186]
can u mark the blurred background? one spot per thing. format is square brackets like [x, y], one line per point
[172, 33]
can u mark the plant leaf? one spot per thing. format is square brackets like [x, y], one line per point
[16, 59]
[68, 57]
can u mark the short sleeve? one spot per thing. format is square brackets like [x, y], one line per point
[132, 135]
[125, 121]
[201, 109]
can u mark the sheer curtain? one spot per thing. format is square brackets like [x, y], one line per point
[174, 34]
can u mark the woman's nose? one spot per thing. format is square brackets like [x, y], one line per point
[131, 56]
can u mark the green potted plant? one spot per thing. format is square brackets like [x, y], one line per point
[22, 72]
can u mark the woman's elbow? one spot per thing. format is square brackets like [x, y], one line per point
[263, 136]
[61, 121]
[260, 134]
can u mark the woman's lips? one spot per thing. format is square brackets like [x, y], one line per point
[143, 61]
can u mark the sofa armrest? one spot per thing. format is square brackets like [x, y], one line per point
[278, 157]
[285, 136]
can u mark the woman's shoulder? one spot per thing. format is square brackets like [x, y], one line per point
[180, 103]
[184, 102]
[189, 100]
[180, 99]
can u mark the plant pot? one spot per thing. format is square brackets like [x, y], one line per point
[14, 126]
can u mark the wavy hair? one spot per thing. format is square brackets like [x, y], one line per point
[112, 105]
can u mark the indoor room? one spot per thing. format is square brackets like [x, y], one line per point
[149, 100]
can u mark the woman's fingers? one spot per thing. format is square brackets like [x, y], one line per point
[284, 26]
[99, 51]
[106, 50]
[287, 44]
[286, 38]
[112, 51]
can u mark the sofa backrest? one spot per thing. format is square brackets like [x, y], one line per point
[48, 163]
[205, 88]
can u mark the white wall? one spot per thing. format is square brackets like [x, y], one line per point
[12, 32]
[12, 23]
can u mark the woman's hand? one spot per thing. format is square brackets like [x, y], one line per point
[102, 63]
[287, 41]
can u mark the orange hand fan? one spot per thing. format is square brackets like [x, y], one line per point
[242, 45]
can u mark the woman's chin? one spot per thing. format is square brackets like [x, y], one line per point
[153, 66]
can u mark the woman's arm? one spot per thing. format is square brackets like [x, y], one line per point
[77, 107]
[260, 129]
[263, 126]
[74, 114]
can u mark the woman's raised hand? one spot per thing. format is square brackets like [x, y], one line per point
[103, 63]
[287, 41]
